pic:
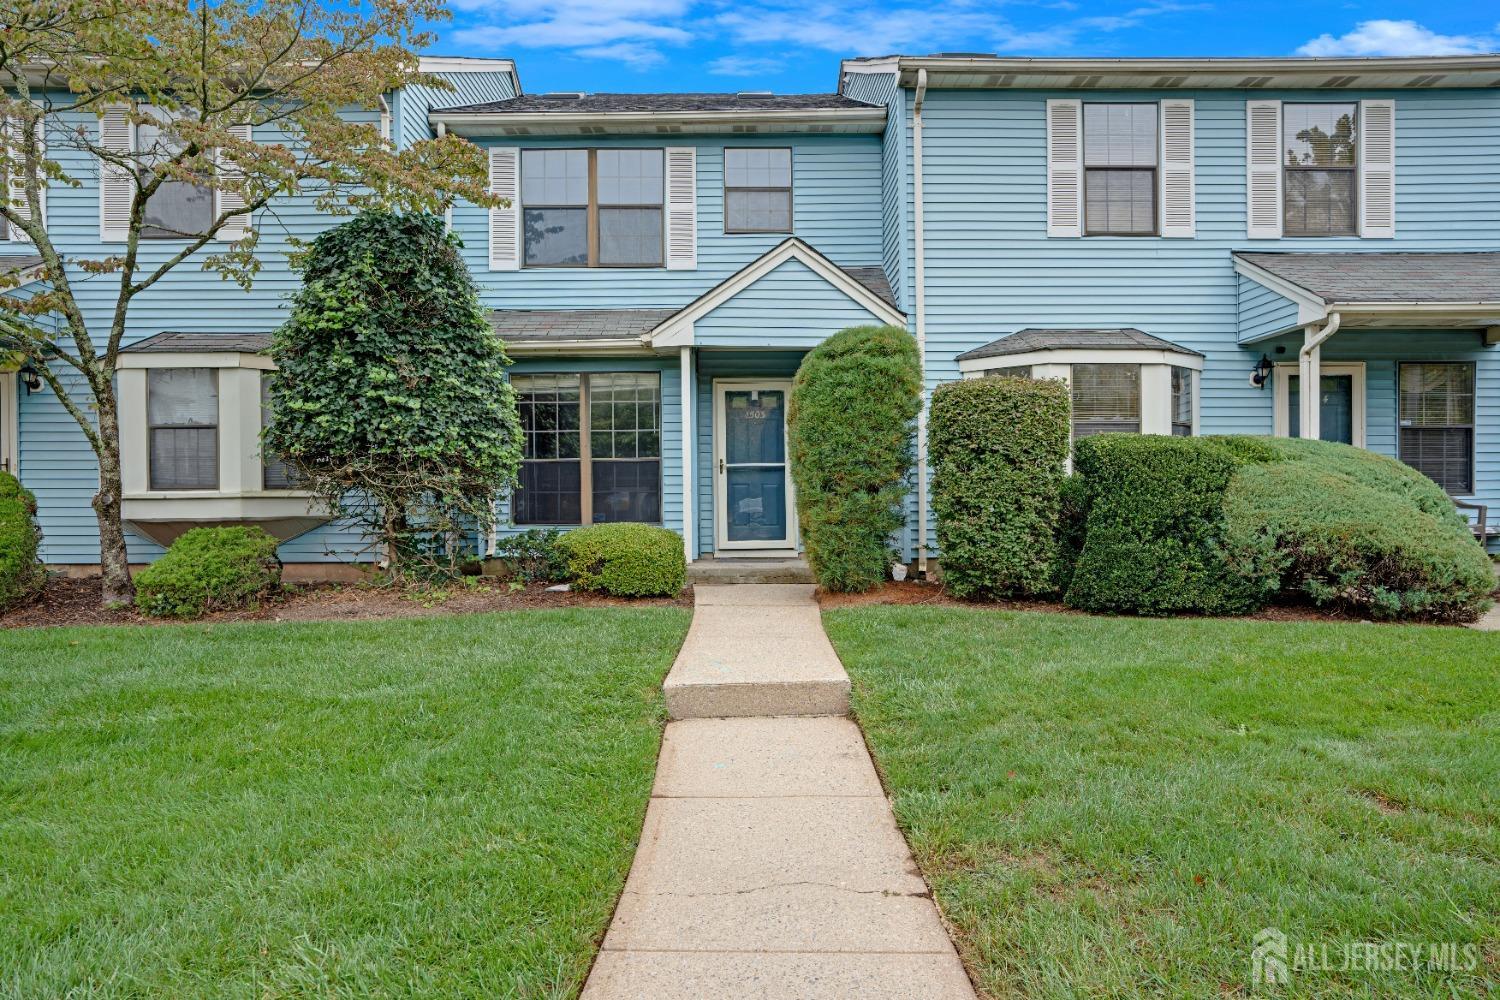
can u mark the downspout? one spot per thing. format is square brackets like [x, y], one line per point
[1307, 357]
[921, 307]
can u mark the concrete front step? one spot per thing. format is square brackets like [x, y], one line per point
[749, 571]
[756, 650]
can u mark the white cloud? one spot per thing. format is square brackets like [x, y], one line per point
[632, 55]
[1396, 38]
[744, 66]
[577, 24]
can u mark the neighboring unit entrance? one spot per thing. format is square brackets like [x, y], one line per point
[752, 481]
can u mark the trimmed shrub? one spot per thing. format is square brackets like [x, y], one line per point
[626, 560]
[1345, 528]
[999, 448]
[533, 555]
[854, 402]
[21, 576]
[1154, 529]
[210, 569]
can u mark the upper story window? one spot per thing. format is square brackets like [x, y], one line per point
[182, 419]
[1106, 397]
[1320, 144]
[1437, 422]
[757, 190]
[178, 209]
[1120, 149]
[592, 207]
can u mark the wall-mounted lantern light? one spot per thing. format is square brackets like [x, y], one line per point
[1261, 373]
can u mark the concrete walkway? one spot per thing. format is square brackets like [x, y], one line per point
[770, 864]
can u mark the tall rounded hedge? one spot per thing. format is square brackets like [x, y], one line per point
[21, 575]
[854, 402]
[999, 449]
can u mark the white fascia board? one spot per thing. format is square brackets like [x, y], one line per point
[537, 348]
[202, 359]
[871, 119]
[209, 505]
[791, 248]
[1084, 356]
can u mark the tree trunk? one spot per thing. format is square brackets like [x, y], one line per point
[114, 561]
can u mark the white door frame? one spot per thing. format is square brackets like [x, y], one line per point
[1281, 394]
[10, 424]
[721, 520]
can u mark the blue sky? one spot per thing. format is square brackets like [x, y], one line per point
[794, 47]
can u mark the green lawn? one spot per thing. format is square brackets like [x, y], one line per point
[422, 807]
[1114, 807]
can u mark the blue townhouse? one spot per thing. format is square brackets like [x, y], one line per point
[1188, 243]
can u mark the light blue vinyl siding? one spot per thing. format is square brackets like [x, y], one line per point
[836, 208]
[671, 425]
[992, 270]
[790, 307]
[409, 105]
[880, 88]
[1263, 311]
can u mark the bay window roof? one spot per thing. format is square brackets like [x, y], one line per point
[1031, 340]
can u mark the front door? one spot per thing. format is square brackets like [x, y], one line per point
[752, 481]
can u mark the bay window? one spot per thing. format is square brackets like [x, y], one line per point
[592, 207]
[1320, 156]
[182, 421]
[1106, 398]
[592, 448]
[1182, 402]
[275, 474]
[1437, 422]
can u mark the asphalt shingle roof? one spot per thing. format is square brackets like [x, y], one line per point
[19, 262]
[522, 325]
[201, 343]
[630, 103]
[1115, 339]
[1388, 277]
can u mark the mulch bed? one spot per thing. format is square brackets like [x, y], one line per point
[76, 602]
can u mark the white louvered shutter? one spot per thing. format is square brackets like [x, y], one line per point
[682, 208]
[116, 185]
[505, 223]
[1377, 169]
[1064, 168]
[1178, 215]
[15, 180]
[228, 201]
[1263, 170]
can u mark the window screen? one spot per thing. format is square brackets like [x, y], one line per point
[1106, 398]
[275, 474]
[1119, 160]
[182, 418]
[1182, 402]
[593, 207]
[1320, 150]
[758, 190]
[625, 446]
[555, 207]
[178, 209]
[1437, 423]
[630, 207]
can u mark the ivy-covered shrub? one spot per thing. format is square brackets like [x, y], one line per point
[625, 560]
[853, 406]
[533, 556]
[1345, 528]
[390, 400]
[999, 447]
[210, 569]
[21, 576]
[1155, 526]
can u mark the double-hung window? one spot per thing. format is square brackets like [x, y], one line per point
[592, 207]
[182, 418]
[1182, 402]
[758, 190]
[1120, 150]
[1437, 422]
[178, 209]
[1106, 397]
[1320, 154]
[592, 448]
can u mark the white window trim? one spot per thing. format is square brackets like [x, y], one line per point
[1281, 421]
[240, 472]
[231, 232]
[10, 424]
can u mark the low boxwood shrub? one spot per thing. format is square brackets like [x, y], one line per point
[999, 448]
[626, 560]
[21, 576]
[210, 569]
[852, 412]
[533, 555]
[1155, 526]
[1345, 528]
